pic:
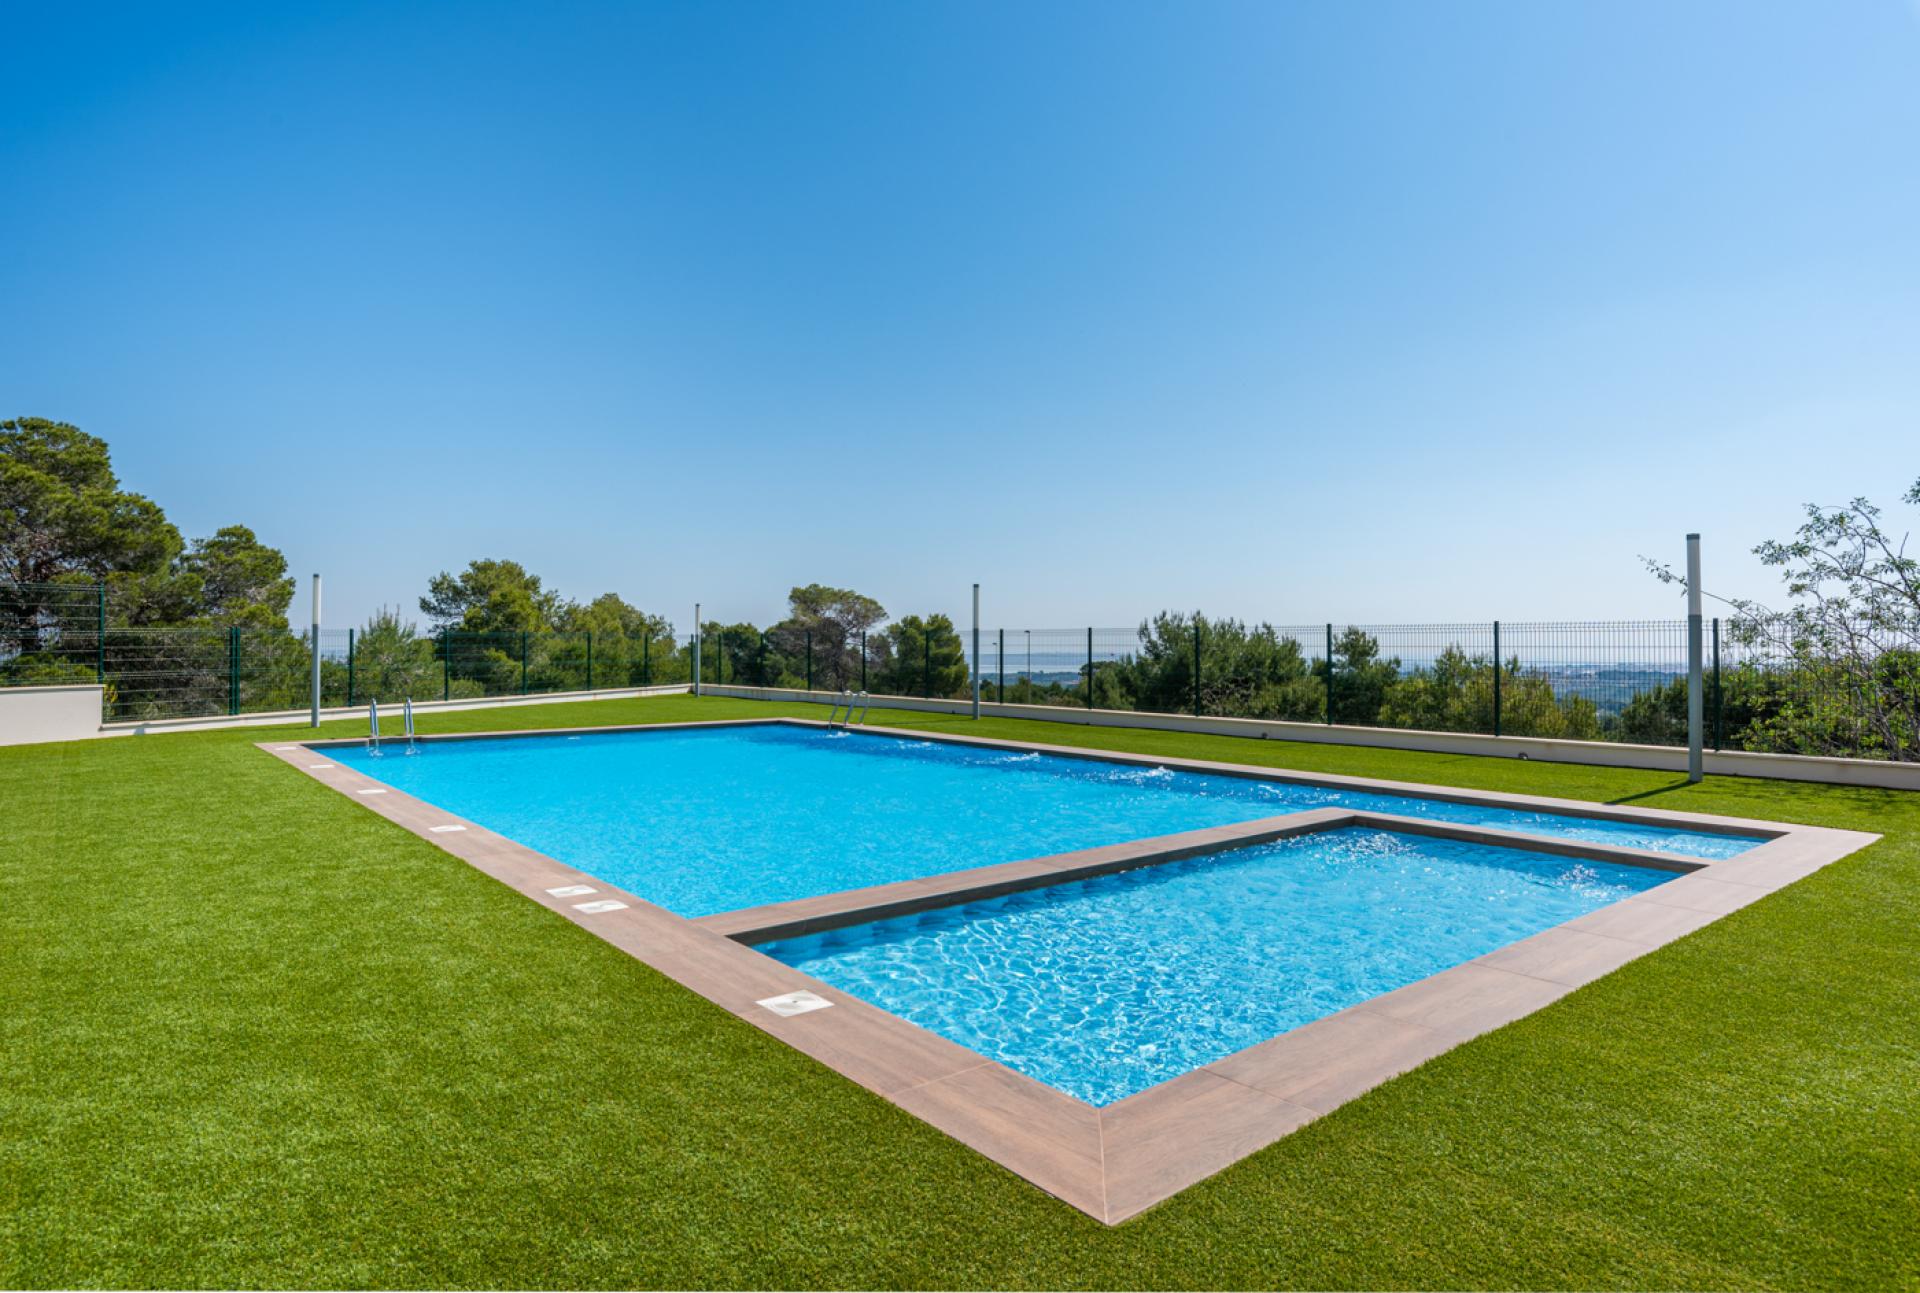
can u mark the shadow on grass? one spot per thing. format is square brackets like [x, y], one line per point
[1652, 792]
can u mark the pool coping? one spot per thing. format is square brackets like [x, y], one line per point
[1114, 1162]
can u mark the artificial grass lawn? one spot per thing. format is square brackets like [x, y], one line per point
[251, 1034]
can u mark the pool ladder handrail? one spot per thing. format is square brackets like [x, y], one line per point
[373, 726]
[411, 747]
[851, 702]
[844, 698]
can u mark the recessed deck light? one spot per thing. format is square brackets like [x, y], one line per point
[794, 1003]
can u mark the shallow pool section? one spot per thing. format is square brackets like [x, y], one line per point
[1105, 987]
[705, 820]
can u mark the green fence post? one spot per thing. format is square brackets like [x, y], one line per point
[1002, 655]
[926, 659]
[720, 657]
[446, 664]
[349, 668]
[863, 659]
[100, 640]
[1329, 675]
[523, 662]
[809, 659]
[1496, 677]
[589, 659]
[1719, 733]
[1089, 666]
[646, 659]
[233, 670]
[762, 657]
[1196, 666]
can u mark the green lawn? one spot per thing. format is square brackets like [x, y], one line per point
[251, 1034]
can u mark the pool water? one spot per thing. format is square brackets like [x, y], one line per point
[1105, 987]
[709, 820]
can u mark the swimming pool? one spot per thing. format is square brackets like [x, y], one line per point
[1104, 987]
[1235, 993]
[708, 820]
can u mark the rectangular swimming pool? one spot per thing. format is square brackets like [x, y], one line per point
[709, 820]
[1104, 987]
[1221, 956]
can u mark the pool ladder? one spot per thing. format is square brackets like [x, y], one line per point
[373, 726]
[851, 702]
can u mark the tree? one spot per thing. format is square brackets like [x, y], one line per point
[826, 624]
[392, 662]
[816, 605]
[1655, 716]
[1455, 694]
[609, 615]
[63, 513]
[1245, 671]
[232, 580]
[1839, 666]
[1361, 679]
[66, 524]
[731, 654]
[924, 658]
[492, 596]
[629, 646]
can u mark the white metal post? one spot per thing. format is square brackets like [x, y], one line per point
[316, 649]
[1696, 690]
[696, 648]
[976, 651]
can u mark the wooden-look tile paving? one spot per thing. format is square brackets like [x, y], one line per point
[1116, 1161]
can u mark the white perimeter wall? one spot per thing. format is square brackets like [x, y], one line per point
[68, 712]
[25, 720]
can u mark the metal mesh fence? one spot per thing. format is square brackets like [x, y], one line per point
[1766, 689]
[52, 633]
[78, 633]
[1851, 689]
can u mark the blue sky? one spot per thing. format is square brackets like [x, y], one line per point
[1284, 310]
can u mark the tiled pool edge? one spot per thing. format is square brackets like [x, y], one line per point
[1706, 822]
[1116, 1161]
[881, 902]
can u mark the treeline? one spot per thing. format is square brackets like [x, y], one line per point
[1228, 668]
[68, 531]
[1800, 695]
[95, 582]
[1796, 700]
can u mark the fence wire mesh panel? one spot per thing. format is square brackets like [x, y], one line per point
[1601, 680]
[1846, 688]
[1039, 666]
[828, 659]
[1434, 677]
[51, 633]
[1788, 686]
[60, 633]
[1598, 680]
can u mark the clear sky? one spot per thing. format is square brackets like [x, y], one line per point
[1287, 311]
